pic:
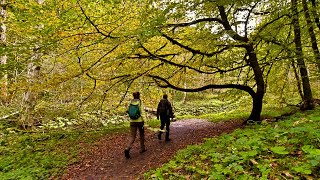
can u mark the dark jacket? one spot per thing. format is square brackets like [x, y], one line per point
[164, 108]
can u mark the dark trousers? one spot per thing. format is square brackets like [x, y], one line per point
[134, 126]
[165, 121]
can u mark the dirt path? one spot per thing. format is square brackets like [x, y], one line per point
[106, 159]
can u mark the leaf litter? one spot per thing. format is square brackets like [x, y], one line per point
[105, 159]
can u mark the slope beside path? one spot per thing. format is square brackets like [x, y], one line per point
[105, 159]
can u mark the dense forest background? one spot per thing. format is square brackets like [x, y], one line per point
[63, 59]
[75, 64]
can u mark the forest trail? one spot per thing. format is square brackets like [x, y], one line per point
[105, 159]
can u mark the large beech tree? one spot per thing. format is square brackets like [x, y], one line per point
[214, 34]
[284, 35]
[213, 47]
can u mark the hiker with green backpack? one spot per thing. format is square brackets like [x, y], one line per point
[137, 116]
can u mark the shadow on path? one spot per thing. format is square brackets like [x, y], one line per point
[105, 160]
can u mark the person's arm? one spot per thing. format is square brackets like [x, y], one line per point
[158, 111]
[143, 113]
[170, 110]
[127, 105]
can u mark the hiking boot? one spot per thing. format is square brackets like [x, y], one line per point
[167, 139]
[159, 136]
[143, 150]
[126, 153]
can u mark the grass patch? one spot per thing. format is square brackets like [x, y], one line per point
[225, 116]
[275, 111]
[43, 155]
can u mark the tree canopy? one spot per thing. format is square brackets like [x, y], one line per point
[92, 54]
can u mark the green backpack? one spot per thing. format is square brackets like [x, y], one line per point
[134, 111]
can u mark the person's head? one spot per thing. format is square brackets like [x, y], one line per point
[165, 96]
[136, 95]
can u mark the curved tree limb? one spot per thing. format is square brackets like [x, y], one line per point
[161, 58]
[167, 84]
[228, 27]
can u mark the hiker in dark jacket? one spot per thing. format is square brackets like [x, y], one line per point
[136, 124]
[164, 112]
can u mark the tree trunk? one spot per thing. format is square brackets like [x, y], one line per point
[314, 13]
[258, 76]
[296, 75]
[311, 34]
[307, 94]
[3, 58]
[30, 96]
[184, 99]
[252, 62]
[286, 80]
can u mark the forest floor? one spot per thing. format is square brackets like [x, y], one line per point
[105, 159]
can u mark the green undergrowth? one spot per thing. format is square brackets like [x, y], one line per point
[288, 149]
[193, 108]
[242, 113]
[39, 155]
[48, 151]
[215, 108]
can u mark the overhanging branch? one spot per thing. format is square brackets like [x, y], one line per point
[167, 84]
[194, 51]
[194, 22]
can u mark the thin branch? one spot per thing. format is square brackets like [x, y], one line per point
[93, 24]
[92, 91]
[247, 19]
[194, 22]
[114, 48]
[194, 51]
[253, 12]
[153, 56]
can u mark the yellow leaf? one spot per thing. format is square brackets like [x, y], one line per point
[287, 174]
[254, 161]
